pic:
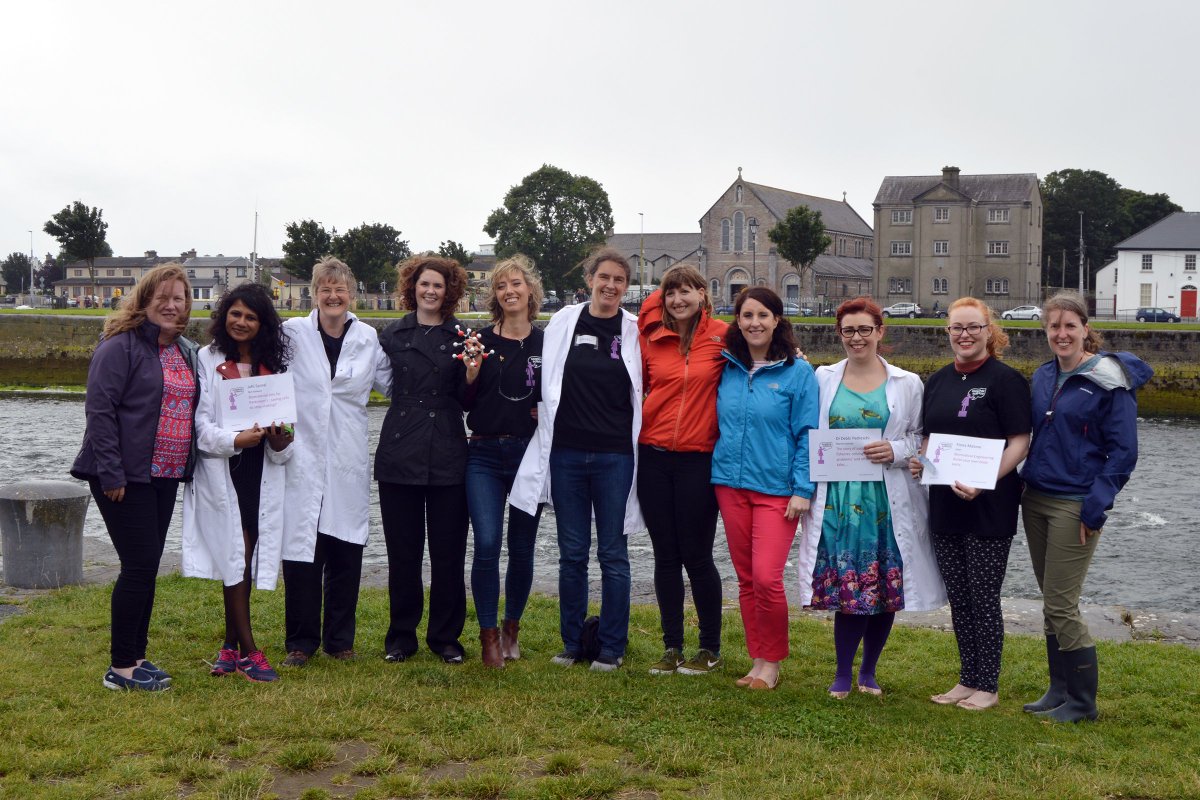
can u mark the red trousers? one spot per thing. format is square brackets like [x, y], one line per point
[759, 538]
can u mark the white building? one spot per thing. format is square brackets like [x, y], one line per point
[1155, 267]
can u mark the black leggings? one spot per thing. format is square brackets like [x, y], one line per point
[137, 527]
[680, 509]
[973, 571]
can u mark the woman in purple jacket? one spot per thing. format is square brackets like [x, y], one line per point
[138, 445]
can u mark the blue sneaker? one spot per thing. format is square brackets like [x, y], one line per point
[158, 672]
[226, 663]
[141, 681]
[254, 667]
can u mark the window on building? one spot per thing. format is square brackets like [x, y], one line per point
[1147, 261]
[1146, 294]
[191, 273]
[195, 292]
[997, 215]
[714, 288]
[110, 272]
[241, 272]
[725, 235]
[126, 273]
[941, 247]
[997, 248]
[1189, 262]
[941, 285]
[841, 245]
[996, 286]
[845, 290]
[739, 232]
[216, 274]
[902, 248]
[858, 245]
[902, 216]
[752, 227]
[941, 214]
[899, 285]
[78, 273]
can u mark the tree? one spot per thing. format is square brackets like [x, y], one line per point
[555, 218]
[15, 270]
[51, 270]
[800, 237]
[81, 232]
[1142, 210]
[452, 249]
[307, 243]
[372, 252]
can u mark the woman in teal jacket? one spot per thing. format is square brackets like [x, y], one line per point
[766, 404]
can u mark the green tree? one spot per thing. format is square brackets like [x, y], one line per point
[372, 252]
[15, 270]
[81, 232]
[307, 243]
[1142, 210]
[1064, 194]
[452, 249]
[800, 237]
[51, 270]
[555, 218]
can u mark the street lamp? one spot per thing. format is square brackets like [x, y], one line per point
[31, 268]
[642, 253]
[753, 251]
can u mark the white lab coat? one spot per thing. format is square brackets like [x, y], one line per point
[213, 546]
[532, 484]
[329, 476]
[909, 500]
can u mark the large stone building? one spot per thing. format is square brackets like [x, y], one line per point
[940, 237]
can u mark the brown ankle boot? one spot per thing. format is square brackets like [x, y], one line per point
[508, 639]
[490, 639]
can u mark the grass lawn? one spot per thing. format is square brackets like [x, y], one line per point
[368, 729]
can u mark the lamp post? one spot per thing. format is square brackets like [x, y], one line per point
[753, 251]
[641, 253]
[31, 268]
[1081, 283]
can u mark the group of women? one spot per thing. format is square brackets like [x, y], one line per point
[659, 421]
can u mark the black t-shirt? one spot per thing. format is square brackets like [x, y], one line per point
[595, 412]
[509, 386]
[991, 403]
[333, 346]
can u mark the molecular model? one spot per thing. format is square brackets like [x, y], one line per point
[472, 347]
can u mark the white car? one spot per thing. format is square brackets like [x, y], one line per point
[910, 310]
[1023, 312]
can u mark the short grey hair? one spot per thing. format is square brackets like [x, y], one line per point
[330, 269]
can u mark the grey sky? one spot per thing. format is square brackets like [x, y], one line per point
[179, 120]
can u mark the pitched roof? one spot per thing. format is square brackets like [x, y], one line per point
[657, 245]
[210, 262]
[844, 267]
[1179, 231]
[1014, 188]
[124, 261]
[837, 215]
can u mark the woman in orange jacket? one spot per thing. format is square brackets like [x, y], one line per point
[682, 364]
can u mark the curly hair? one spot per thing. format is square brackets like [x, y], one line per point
[783, 340]
[451, 271]
[1073, 302]
[131, 313]
[270, 348]
[521, 265]
[997, 338]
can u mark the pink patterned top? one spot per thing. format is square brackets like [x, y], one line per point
[173, 440]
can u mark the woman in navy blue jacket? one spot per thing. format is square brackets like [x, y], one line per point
[1084, 450]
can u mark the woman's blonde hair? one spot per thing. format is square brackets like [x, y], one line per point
[997, 338]
[131, 312]
[1073, 302]
[521, 265]
[331, 270]
[677, 277]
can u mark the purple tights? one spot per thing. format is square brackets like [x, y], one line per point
[850, 629]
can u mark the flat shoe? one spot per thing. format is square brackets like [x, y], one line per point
[870, 690]
[839, 695]
[744, 681]
[759, 683]
[970, 706]
[945, 699]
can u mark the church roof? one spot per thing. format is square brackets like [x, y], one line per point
[844, 267]
[657, 245]
[837, 215]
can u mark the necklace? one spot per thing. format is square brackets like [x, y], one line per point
[504, 370]
[500, 333]
[426, 328]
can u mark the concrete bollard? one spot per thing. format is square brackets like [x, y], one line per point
[41, 533]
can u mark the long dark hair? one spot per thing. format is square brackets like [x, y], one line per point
[783, 340]
[270, 348]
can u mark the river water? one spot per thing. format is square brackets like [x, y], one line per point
[1141, 561]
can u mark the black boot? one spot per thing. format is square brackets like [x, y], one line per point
[1056, 695]
[1081, 670]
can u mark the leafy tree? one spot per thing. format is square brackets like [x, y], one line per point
[1142, 210]
[452, 249]
[307, 243]
[81, 232]
[372, 252]
[800, 237]
[51, 270]
[555, 218]
[15, 270]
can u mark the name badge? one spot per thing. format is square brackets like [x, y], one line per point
[588, 339]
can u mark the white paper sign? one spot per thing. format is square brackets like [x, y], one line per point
[969, 460]
[837, 454]
[264, 399]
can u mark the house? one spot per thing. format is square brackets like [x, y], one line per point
[114, 275]
[1154, 267]
[940, 237]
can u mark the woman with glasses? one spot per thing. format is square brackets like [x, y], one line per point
[972, 529]
[867, 548]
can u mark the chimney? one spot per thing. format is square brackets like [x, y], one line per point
[151, 254]
[188, 253]
[950, 177]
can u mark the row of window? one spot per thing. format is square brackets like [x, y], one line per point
[1189, 262]
[740, 233]
[941, 214]
[941, 247]
[128, 273]
[942, 286]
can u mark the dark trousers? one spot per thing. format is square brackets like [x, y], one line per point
[407, 511]
[973, 571]
[137, 527]
[333, 577]
[680, 509]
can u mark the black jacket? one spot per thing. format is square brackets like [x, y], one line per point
[423, 441]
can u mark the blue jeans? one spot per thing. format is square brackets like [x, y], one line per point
[491, 466]
[580, 482]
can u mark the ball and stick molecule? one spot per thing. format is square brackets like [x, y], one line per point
[472, 346]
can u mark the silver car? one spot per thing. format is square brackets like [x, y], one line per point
[910, 310]
[1023, 312]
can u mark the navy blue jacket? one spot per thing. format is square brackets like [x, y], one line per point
[1085, 436]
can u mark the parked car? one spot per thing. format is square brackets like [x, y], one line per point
[1023, 312]
[910, 310]
[551, 303]
[723, 308]
[796, 310]
[1156, 315]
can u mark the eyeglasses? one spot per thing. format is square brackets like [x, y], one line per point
[958, 330]
[862, 330]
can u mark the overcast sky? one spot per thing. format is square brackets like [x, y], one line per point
[181, 119]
